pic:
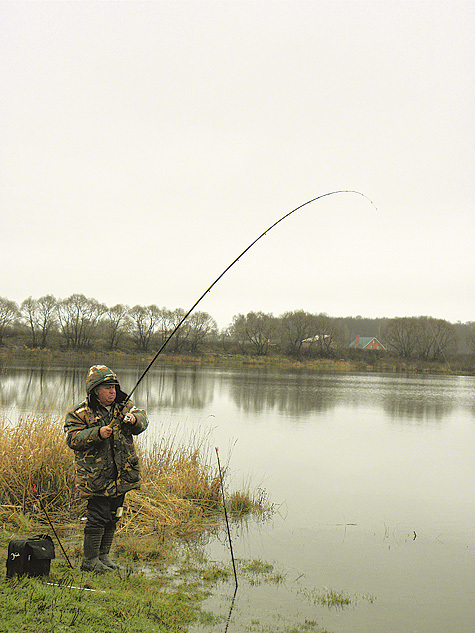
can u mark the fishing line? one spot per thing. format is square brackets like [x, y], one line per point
[35, 490]
[177, 327]
[187, 314]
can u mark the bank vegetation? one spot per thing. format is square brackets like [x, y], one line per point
[180, 494]
[78, 325]
[165, 574]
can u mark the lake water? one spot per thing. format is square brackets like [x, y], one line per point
[372, 477]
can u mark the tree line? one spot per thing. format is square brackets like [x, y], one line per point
[79, 322]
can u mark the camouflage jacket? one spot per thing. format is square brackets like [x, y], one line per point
[104, 467]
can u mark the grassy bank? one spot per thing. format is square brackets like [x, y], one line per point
[165, 576]
[155, 598]
[180, 499]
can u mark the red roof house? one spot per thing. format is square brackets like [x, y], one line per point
[366, 342]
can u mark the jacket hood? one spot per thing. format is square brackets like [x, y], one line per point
[97, 375]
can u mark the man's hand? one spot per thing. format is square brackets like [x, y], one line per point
[105, 432]
[129, 418]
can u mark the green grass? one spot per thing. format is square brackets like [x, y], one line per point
[151, 593]
[257, 572]
[155, 597]
[334, 599]
[117, 604]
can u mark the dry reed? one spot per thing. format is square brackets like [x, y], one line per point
[34, 452]
[179, 493]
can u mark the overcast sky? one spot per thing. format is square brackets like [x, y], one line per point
[144, 145]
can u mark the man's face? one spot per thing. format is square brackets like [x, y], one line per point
[106, 394]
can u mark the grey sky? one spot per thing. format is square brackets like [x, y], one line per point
[145, 145]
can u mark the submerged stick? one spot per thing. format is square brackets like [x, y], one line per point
[230, 610]
[227, 524]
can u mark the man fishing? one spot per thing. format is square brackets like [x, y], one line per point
[100, 431]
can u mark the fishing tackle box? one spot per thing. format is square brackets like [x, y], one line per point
[30, 556]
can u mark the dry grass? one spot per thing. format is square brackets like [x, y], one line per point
[34, 451]
[180, 490]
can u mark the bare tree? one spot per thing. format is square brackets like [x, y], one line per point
[236, 331]
[179, 340]
[28, 313]
[438, 338]
[400, 336]
[78, 317]
[296, 327]
[116, 322]
[328, 334]
[165, 324]
[471, 338]
[40, 315]
[420, 337]
[8, 313]
[257, 328]
[47, 320]
[144, 320]
[199, 325]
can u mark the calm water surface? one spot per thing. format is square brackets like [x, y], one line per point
[372, 477]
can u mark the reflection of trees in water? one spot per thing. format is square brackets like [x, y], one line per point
[176, 388]
[404, 399]
[416, 409]
[292, 394]
[58, 390]
[40, 390]
[419, 400]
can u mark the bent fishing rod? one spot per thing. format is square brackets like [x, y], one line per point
[187, 314]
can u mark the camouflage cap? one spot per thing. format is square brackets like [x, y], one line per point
[98, 374]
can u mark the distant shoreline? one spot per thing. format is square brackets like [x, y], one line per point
[364, 363]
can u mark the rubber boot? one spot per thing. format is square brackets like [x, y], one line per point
[92, 544]
[106, 544]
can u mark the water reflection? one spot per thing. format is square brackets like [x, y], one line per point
[178, 388]
[422, 400]
[290, 394]
[402, 399]
[407, 408]
[56, 390]
[293, 394]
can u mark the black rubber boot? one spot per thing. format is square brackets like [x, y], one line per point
[106, 544]
[92, 544]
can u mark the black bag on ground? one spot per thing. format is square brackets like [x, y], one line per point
[30, 556]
